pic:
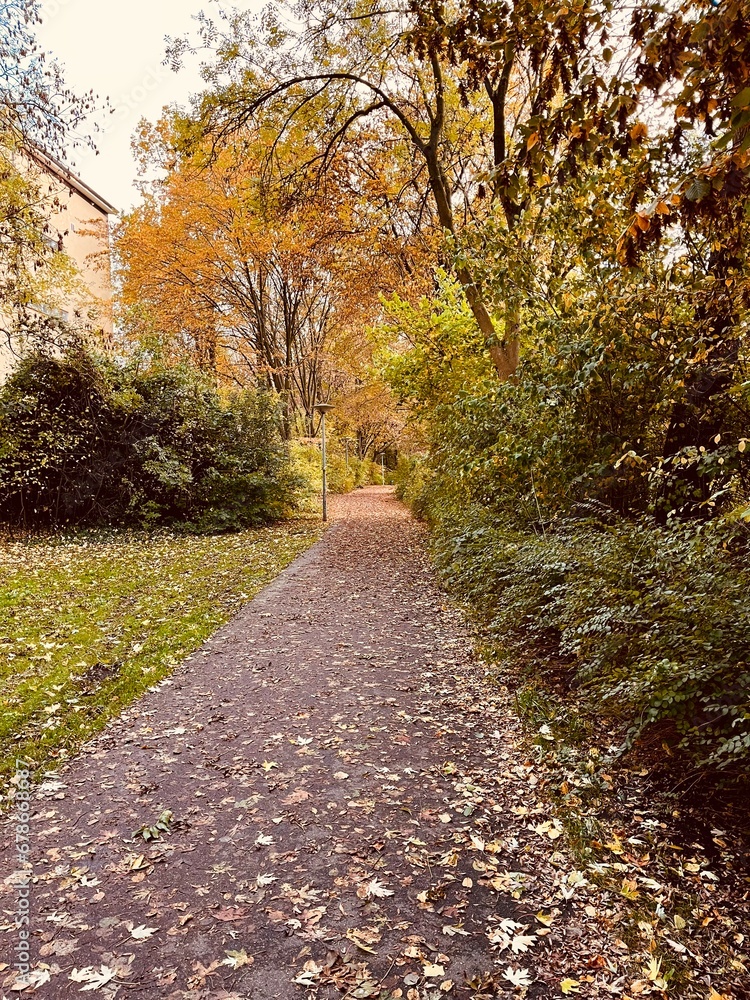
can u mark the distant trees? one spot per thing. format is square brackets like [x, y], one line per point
[574, 168]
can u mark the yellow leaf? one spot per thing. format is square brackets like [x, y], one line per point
[629, 888]
[532, 140]
[569, 985]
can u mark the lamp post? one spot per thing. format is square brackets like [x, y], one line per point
[322, 409]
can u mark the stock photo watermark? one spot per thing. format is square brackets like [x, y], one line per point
[21, 951]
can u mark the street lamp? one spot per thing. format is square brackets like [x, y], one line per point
[322, 409]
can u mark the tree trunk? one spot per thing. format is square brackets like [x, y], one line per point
[505, 353]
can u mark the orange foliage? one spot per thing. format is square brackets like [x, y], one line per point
[226, 267]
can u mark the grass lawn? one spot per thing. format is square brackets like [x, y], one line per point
[88, 622]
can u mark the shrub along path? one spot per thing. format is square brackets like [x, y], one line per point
[345, 812]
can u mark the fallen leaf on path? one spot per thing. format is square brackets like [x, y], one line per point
[451, 930]
[522, 942]
[309, 975]
[93, 977]
[230, 913]
[519, 977]
[569, 985]
[376, 890]
[238, 959]
[297, 796]
[142, 932]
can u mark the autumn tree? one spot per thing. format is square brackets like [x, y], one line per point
[36, 104]
[452, 88]
[258, 286]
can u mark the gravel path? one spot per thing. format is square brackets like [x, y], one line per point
[348, 812]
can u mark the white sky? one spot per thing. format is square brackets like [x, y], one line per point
[116, 50]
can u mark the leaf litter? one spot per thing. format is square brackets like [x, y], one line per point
[437, 863]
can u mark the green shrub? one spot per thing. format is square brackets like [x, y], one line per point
[413, 482]
[546, 494]
[87, 440]
[652, 622]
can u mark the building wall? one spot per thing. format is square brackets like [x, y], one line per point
[85, 238]
[81, 228]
